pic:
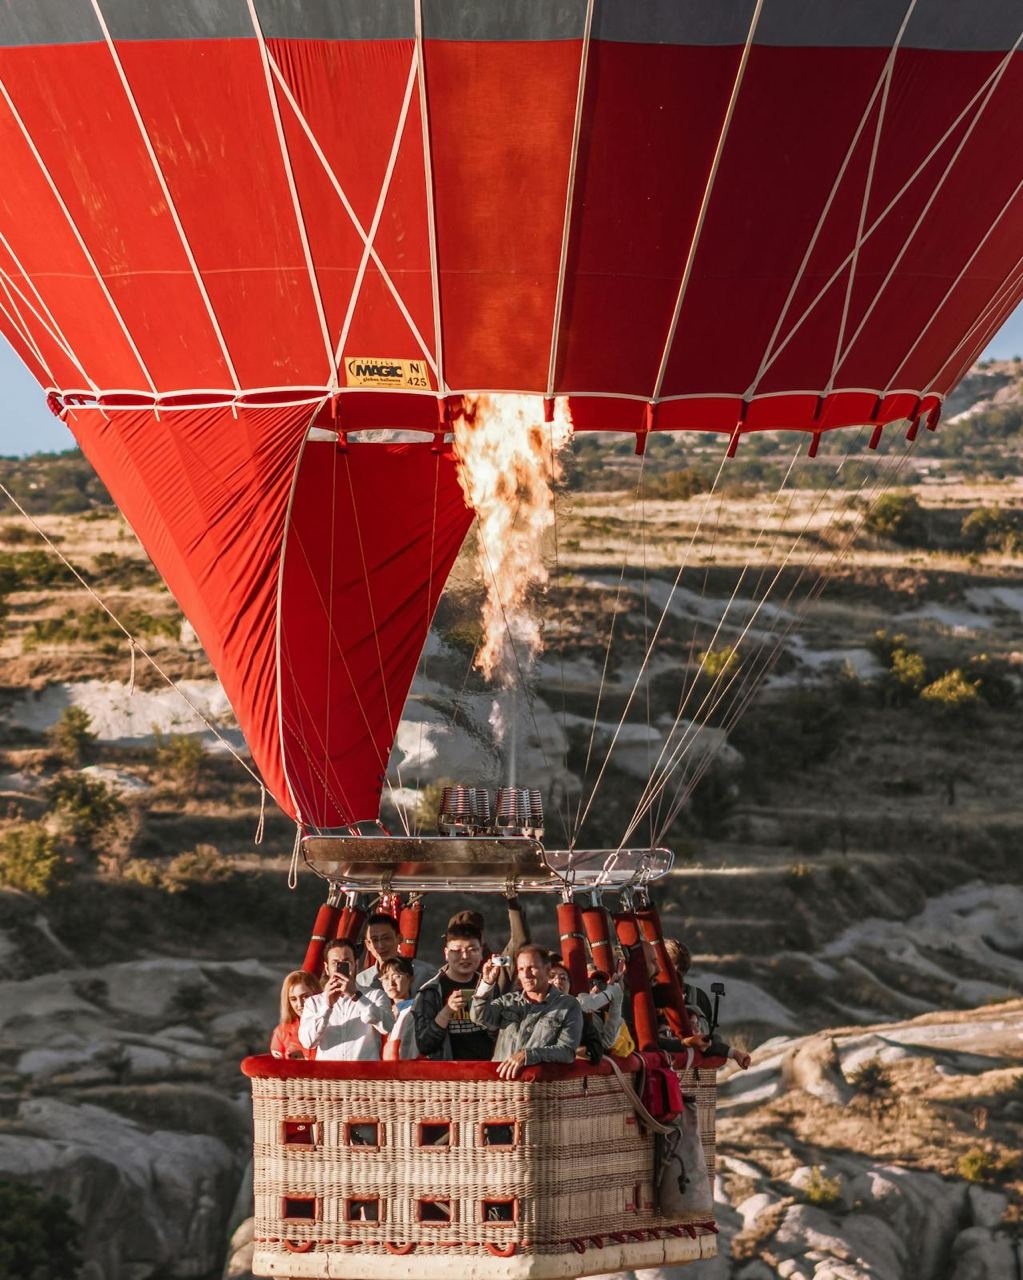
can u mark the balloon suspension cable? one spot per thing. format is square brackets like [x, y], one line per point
[675, 752]
[581, 818]
[748, 688]
[132, 640]
[752, 678]
[754, 673]
[610, 643]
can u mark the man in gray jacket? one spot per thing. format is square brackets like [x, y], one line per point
[537, 1024]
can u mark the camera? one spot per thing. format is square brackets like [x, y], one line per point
[504, 961]
[345, 967]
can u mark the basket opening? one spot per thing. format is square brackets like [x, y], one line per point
[501, 1209]
[434, 1133]
[299, 1133]
[364, 1209]
[500, 1133]
[433, 1210]
[363, 1133]
[300, 1208]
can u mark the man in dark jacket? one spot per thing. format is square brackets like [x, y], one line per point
[441, 1011]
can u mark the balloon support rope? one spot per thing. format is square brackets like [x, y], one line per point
[293, 870]
[261, 824]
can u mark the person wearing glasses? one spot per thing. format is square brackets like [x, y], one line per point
[443, 1027]
[342, 1022]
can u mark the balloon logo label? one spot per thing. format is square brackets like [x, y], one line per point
[382, 371]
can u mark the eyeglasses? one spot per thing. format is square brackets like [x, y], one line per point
[461, 953]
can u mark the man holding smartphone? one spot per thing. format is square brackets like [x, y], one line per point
[343, 1022]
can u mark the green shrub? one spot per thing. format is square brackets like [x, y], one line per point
[980, 1165]
[72, 736]
[897, 517]
[822, 1191]
[721, 663]
[678, 486]
[94, 628]
[992, 529]
[906, 670]
[86, 809]
[202, 865]
[179, 757]
[872, 1078]
[190, 1000]
[140, 871]
[952, 692]
[39, 1239]
[30, 860]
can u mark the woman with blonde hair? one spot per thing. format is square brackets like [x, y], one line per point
[295, 990]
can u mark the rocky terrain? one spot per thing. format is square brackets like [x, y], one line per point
[847, 850]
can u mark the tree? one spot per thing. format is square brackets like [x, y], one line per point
[72, 736]
[31, 861]
[179, 756]
[897, 517]
[952, 692]
[39, 1239]
[86, 808]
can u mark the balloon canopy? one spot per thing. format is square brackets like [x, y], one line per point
[232, 232]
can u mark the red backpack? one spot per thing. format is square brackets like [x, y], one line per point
[660, 1092]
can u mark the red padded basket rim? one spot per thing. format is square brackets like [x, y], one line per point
[265, 1067]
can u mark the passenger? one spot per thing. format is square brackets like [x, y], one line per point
[295, 990]
[396, 976]
[518, 935]
[441, 1009]
[605, 1000]
[701, 1011]
[666, 1037]
[342, 1022]
[544, 1024]
[591, 1045]
[382, 938]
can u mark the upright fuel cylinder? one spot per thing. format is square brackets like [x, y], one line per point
[644, 1010]
[323, 930]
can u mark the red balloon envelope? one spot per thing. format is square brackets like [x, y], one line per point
[222, 222]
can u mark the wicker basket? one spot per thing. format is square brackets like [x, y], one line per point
[360, 1165]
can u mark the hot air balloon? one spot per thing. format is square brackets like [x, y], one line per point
[240, 239]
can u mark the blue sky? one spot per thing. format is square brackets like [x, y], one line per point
[27, 426]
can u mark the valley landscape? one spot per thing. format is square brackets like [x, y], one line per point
[839, 669]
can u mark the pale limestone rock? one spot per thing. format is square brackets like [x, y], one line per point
[977, 1254]
[813, 1066]
[987, 1208]
[149, 1202]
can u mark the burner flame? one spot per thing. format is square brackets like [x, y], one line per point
[509, 462]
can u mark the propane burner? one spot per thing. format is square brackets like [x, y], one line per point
[467, 811]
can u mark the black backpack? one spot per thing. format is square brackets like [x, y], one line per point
[591, 1040]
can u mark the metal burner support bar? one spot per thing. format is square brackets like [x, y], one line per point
[477, 864]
